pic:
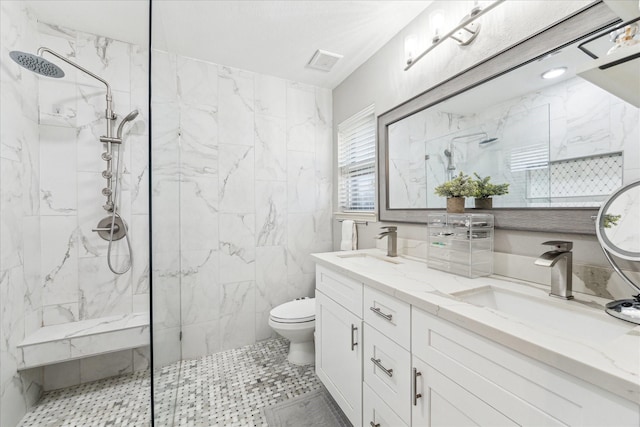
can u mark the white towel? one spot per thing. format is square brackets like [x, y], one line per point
[349, 239]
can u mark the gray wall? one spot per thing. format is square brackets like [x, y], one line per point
[383, 81]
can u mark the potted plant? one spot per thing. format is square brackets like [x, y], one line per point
[456, 190]
[485, 190]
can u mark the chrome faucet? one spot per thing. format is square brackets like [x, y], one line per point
[560, 275]
[392, 240]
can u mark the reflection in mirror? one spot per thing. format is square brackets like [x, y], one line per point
[558, 142]
[618, 230]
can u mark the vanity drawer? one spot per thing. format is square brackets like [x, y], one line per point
[526, 391]
[343, 290]
[387, 370]
[388, 315]
[377, 413]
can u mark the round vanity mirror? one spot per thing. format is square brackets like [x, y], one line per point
[618, 230]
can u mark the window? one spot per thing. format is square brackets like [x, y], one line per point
[357, 162]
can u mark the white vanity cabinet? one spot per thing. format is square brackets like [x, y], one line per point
[465, 376]
[390, 364]
[339, 340]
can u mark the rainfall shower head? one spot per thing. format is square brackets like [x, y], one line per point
[486, 142]
[37, 64]
[473, 136]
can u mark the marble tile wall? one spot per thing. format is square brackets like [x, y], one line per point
[242, 194]
[54, 266]
[76, 281]
[20, 278]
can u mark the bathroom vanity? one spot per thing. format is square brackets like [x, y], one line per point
[399, 344]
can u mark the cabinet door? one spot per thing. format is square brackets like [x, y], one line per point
[443, 402]
[339, 355]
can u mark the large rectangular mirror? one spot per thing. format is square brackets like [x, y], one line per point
[560, 143]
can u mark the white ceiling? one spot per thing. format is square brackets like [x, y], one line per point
[269, 37]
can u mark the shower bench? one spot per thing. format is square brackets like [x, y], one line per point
[75, 340]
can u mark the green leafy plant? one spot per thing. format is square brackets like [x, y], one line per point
[486, 189]
[460, 186]
[611, 220]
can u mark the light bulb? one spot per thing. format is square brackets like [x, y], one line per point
[410, 48]
[436, 21]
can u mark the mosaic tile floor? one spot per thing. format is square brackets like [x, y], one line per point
[225, 389]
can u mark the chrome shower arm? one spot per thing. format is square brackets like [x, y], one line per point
[73, 64]
[109, 114]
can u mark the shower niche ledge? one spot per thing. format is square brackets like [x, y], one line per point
[75, 340]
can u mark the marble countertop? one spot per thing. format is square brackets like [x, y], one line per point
[612, 364]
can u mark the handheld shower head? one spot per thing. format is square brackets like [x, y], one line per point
[132, 115]
[36, 64]
[449, 155]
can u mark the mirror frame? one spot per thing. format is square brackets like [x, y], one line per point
[600, 229]
[582, 24]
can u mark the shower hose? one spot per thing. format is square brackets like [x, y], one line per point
[114, 214]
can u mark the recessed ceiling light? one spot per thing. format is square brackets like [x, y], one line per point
[554, 72]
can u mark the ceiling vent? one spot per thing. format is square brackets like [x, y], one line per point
[323, 60]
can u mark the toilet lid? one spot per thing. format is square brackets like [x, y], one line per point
[301, 310]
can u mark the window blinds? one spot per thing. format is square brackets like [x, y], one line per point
[356, 162]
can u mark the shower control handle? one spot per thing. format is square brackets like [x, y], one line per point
[104, 228]
[116, 228]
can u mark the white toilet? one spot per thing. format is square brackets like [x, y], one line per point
[296, 321]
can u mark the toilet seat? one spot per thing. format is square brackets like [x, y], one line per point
[296, 311]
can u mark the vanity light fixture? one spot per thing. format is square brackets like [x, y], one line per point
[553, 73]
[464, 33]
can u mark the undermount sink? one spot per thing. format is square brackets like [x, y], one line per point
[364, 257]
[566, 317]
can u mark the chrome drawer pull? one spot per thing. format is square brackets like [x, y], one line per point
[379, 365]
[374, 425]
[377, 311]
[416, 395]
[353, 343]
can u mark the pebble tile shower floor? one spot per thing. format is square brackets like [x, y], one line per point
[224, 389]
